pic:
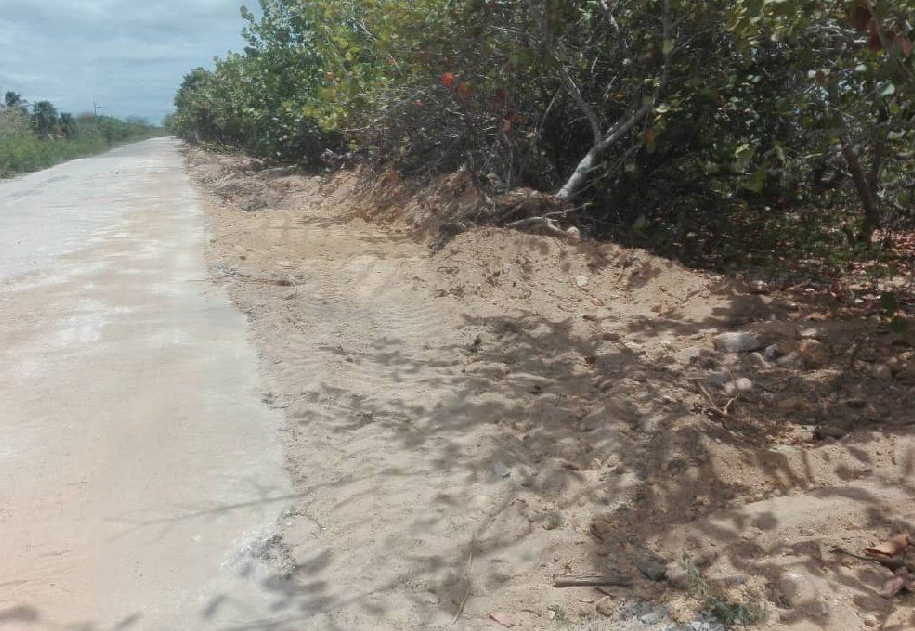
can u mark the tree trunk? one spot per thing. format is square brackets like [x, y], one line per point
[580, 176]
[865, 191]
[601, 144]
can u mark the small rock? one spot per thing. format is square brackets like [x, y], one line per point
[829, 431]
[581, 281]
[813, 353]
[869, 620]
[651, 618]
[772, 352]
[652, 566]
[882, 371]
[738, 386]
[791, 586]
[810, 333]
[759, 287]
[574, 233]
[552, 521]
[606, 606]
[738, 342]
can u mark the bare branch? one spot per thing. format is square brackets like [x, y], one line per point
[575, 93]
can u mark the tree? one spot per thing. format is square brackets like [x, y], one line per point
[68, 125]
[660, 119]
[13, 99]
[858, 59]
[45, 120]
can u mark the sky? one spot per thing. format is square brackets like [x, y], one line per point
[126, 55]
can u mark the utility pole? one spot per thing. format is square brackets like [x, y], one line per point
[96, 107]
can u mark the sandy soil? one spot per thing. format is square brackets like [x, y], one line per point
[466, 421]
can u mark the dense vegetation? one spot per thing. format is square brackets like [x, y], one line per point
[34, 137]
[707, 129]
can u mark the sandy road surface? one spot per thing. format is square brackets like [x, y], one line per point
[140, 471]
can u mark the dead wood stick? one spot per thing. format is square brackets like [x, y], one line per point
[723, 412]
[891, 563]
[593, 580]
[544, 223]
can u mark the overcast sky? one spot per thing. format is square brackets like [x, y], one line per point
[128, 55]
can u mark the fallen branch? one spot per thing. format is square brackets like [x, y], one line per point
[544, 223]
[892, 564]
[593, 580]
[722, 412]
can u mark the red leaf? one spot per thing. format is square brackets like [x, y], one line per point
[448, 79]
[905, 45]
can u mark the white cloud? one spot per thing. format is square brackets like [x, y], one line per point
[128, 55]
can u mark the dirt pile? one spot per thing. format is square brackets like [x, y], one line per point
[467, 421]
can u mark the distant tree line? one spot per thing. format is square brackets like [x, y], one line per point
[36, 135]
[680, 124]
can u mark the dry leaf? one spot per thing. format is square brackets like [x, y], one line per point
[504, 619]
[892, 547]
[901, 580]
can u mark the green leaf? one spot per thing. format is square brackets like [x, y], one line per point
[888, 88]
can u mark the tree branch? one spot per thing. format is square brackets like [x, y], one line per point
[603, 142]
[575, 93]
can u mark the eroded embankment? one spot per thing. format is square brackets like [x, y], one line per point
[464, 422]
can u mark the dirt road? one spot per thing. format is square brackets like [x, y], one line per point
[140, 471]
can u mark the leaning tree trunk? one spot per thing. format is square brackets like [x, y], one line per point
[604, 141]
[580, 176]
[865, 191]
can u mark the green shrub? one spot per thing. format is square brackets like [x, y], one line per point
[731, 118]
[24, 150]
